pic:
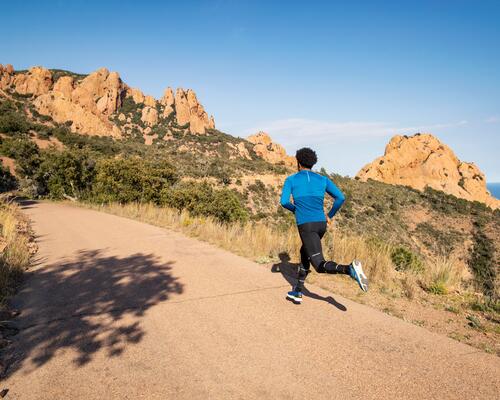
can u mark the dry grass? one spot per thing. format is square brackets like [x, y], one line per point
[254, 241]
[259, 242]
[376, 257]
[15, 245]
[443, 275]
[262, 243]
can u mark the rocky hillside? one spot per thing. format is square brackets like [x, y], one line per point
[101, 104]
[422, 160]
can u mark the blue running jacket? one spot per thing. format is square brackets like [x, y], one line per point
[308, 190]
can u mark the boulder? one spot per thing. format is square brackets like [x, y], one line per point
[36, 81]
[82, 120]
[181, 107]
[270, 151]
[64, 85]
[136, 95]
[168, 97]
[422, 160]
[149, 116]
[149, 101]
[100, 91]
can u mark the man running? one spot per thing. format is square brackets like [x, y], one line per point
[308, 190]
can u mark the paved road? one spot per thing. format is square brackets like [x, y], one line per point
[118, 309]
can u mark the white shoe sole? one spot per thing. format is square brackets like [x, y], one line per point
[361, 278]
[294, 299]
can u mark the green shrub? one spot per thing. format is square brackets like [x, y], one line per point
[24, 151]
[7, 180]
[483, 264]
[103, 145]
[131, 179]
[11, 120]
[405, 260]
[202, 199]
[65, 173]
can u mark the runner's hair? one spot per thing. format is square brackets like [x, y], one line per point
[306, 157]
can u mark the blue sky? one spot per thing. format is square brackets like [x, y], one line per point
[341, 77]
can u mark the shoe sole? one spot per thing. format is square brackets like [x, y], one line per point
[360, 276]
[293, 299]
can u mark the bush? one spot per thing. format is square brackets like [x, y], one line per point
[483, 264]
[103, 145]
[65, 173]
[131, 179]
[24, 151]
[7, 180]
[202, 199]
[12, 121]
[405, 260]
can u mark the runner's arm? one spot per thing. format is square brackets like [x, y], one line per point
[337, 195]
[285, 196]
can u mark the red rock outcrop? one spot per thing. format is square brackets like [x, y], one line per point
[270, 151]
[422, 160]
[90, 102]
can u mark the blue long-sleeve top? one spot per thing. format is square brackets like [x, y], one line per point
[308, 190]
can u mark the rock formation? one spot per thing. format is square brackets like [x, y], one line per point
[36, 81]
[86, 104]
[189, 110]
[149, 116]
[422, 160]
[93, 103]
[100, 91]
[270, 151]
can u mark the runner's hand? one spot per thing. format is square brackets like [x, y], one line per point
[329, 221]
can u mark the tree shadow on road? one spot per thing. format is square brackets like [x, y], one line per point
[289, 272]
[87, 303]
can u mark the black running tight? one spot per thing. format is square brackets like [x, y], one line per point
[311, 252]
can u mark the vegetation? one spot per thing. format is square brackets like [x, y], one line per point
[405, 260]
[58, 73]
[15, 241]
[484, 265]
[199, 184]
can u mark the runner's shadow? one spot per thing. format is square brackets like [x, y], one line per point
[289, 272]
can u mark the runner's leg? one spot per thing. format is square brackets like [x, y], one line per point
[311, 234]
[303, 269]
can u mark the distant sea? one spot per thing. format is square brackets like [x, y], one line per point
[494, 188]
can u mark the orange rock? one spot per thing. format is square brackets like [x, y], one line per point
[36, 81]
[64, 85]
[136, 94]
[83, 120]
[149, 116]
[100, 91]
[168, 97]
[181, 107]
[149, 101]
[270, 151]
[188, 109]
[422, 160]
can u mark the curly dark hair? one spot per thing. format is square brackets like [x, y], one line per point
[306, 157]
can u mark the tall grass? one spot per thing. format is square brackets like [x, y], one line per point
[443, 275]
[255, 241]
[15, 247]
[258, 241]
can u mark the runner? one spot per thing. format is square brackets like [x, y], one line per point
[308, 191]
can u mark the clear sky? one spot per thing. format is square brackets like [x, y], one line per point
[340, 77]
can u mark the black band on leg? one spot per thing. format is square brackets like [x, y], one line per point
[332, 267]
[302, 275]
